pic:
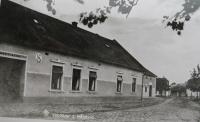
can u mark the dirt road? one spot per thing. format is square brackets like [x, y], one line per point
[172, 110]
[5, 119]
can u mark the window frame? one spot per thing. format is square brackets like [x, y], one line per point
[121, 90]
[62, 78]
[80, 85]
[89, 82]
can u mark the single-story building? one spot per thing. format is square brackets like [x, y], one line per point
[178, 90]
[43, 57]
[191, 93]
[162, 88]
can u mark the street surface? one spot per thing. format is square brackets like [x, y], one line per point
[172, 110]
[5, 119]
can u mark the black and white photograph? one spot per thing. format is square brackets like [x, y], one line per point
[99, 61]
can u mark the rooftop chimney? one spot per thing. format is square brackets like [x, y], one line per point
[75, 24]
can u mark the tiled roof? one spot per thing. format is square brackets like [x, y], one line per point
[25, 27]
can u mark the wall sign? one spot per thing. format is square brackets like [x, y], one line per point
[38, 57]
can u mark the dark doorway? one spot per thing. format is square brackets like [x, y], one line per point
[12, 77]
[150, 90]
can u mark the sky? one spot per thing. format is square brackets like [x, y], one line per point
[158, 48]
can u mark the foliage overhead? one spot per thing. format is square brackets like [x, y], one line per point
[177, 21]
[50, 4]
[101, 14]
[94, 18]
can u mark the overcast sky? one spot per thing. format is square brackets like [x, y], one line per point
[159, 49]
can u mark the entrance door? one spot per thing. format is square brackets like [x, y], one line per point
[12, 76]
[150, 90]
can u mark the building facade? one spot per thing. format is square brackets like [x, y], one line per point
[191, 93]
[162, 88]
[42, 57]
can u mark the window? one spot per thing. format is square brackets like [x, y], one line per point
[92, 80]
[76, 79]
[134, 85]
[57, 73]
[119, 83]
[145, 89]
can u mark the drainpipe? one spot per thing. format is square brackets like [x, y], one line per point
[142, 87]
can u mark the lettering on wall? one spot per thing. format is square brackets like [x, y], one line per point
[38, 57]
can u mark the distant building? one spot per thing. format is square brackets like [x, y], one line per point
[178, 90]
[42, 57]
[162, 88]
[191, 93]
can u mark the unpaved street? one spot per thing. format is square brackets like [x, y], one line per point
[172, 110]
[5, 119]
